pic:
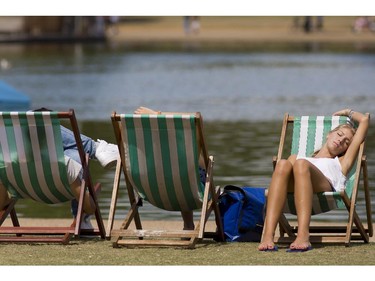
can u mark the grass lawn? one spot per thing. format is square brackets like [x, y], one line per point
[97, 252]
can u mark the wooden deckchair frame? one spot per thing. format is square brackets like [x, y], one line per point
[55, 234]
[176, 238]
[354, 228]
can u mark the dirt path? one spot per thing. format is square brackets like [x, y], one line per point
[240, 30]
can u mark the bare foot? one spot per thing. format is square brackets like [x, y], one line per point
[300, 244]
[267, 246]
[144, 110]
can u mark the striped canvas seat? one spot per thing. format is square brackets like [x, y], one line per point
[32, 166]
[309, 133]
[307, 136]
[160, 159]
[32, 163]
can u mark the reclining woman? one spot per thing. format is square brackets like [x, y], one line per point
[325, 170]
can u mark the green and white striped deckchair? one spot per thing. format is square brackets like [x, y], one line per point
[32, 165]
[160, 159]
[309, 134]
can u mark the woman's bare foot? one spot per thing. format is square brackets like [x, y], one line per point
[267, 245]
[300, 244]
[144, 110]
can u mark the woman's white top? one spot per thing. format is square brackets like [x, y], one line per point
[331, 169]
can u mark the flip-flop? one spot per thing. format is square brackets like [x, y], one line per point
[274, 249]
[309, 248]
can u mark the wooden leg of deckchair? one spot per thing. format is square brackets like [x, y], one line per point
[213, 206]
[361, 229]
[367, 197]
[112, 209]
[135, 201]
[93, 191]
[98, 215]
[210, 205]
[9, 209]
[77, 230]
[219, 223]
[353, 218]
[202, 221]
[130, 216]
[207, 191]
[14, 217]
[132, 213]
[285, 227]
[65, 240]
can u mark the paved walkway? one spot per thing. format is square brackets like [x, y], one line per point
[239, 30]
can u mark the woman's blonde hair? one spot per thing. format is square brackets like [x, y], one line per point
[346, 126]
[341, 126]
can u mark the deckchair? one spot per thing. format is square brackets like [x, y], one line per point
[160, 158]
[32, 165]
[308, 134]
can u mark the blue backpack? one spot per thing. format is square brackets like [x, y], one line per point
[242, 213]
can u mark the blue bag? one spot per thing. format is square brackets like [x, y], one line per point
[242, 213]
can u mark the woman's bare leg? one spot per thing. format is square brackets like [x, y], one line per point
[280, 182]
[308, 180]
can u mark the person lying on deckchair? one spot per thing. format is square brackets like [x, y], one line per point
[74, 169]
[105, 153]
[325, 170]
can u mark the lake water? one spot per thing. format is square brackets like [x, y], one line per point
[241, 95]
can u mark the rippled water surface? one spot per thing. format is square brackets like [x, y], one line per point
[242, 97]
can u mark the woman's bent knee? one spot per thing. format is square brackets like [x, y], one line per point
[301, 167]
[283, 167]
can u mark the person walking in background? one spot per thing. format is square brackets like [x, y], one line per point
[195, 25]
[186, 25]
[307, 25]
[363, 23]
[112, 25]
[319, 23]
[191, 25]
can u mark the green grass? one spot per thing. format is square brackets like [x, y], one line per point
[98, 252]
